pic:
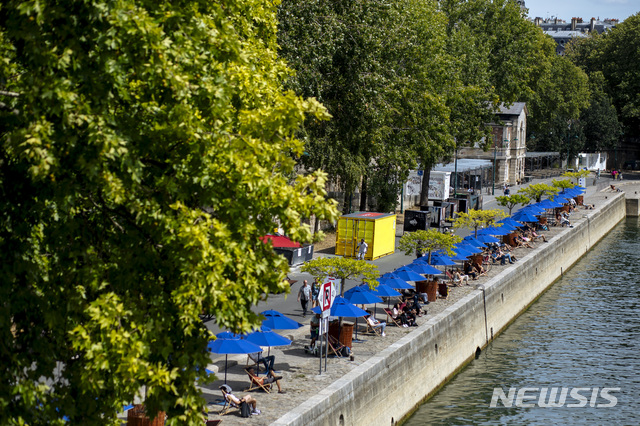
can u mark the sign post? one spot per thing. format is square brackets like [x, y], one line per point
[325, 299]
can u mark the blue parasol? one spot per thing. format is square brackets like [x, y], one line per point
[361, 296]
[492, 230]
[441, 260]
[405, 273]
[232, 345]
[468, 247]
[276, 321]
[487, 239]
[473, 241]
[342, 308]
[393, 281]
[422, 267]
[524, 217]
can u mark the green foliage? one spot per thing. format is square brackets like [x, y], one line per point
[341, 267]
[566, 183]
[426, 241]
[612, 60]
[475, 219]
[536, 191]
[571, 175]
[146, 148]
[510, 201]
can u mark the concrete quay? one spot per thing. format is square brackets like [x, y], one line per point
[390, 376]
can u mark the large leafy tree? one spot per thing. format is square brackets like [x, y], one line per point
[377, 69]
[146, 146]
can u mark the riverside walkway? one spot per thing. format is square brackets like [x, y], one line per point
[301, 371]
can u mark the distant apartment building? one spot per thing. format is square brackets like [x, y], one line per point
[563, 32]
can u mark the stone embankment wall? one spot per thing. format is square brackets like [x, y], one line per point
[392, 384]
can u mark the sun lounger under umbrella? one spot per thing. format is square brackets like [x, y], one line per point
[228, 343]
[277, 321]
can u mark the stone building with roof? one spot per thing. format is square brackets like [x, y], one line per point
[563, 32]
[508, 148]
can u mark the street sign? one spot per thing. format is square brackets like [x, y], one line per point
[326, 296]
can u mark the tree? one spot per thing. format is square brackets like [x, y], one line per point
[379, 70]
[146, 148]
[572, 175]
[536, 191]
[341, 267]
[510, 201]
[426, 241]
[475, 219]
[563, 184]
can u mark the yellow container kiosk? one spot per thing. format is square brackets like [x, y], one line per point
[377, 229]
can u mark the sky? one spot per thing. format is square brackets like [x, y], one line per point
[586, 9]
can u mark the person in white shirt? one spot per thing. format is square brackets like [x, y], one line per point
[362, 249]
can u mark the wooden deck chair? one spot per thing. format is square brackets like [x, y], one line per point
[255, 383]
[228, 406]
[390, 319]
[335, 346]
[371, 327]
[443, 290]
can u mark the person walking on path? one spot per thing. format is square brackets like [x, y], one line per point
[304, 295]
[362, 250]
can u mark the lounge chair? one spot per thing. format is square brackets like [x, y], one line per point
[391, 319]
[335, 346]
[228, 405]
[443, 290]
[371, 327]
[254, 383]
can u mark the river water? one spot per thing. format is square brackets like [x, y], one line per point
[584, 332]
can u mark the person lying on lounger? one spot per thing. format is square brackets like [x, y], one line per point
[271, 378]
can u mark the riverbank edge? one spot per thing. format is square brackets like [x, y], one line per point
[390, 386]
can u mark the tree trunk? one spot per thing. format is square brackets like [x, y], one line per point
[424, 189]
[363, 195]
[346, 206]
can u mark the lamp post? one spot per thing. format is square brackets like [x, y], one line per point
[495, 153]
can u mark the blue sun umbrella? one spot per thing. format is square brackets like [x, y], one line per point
[277, 321]
[492, 230]
[488, 239]
[550, 204]
[234, 345]
[532, 208]
[393, 281]
[441, 259]
[422, 267]
[384, 290]
[524, 217]
[342, 308]
[510, 222]
[361, 295]
[407, 274]
[460, 254]
[473, 241]
[267, 338]
[468, 247]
